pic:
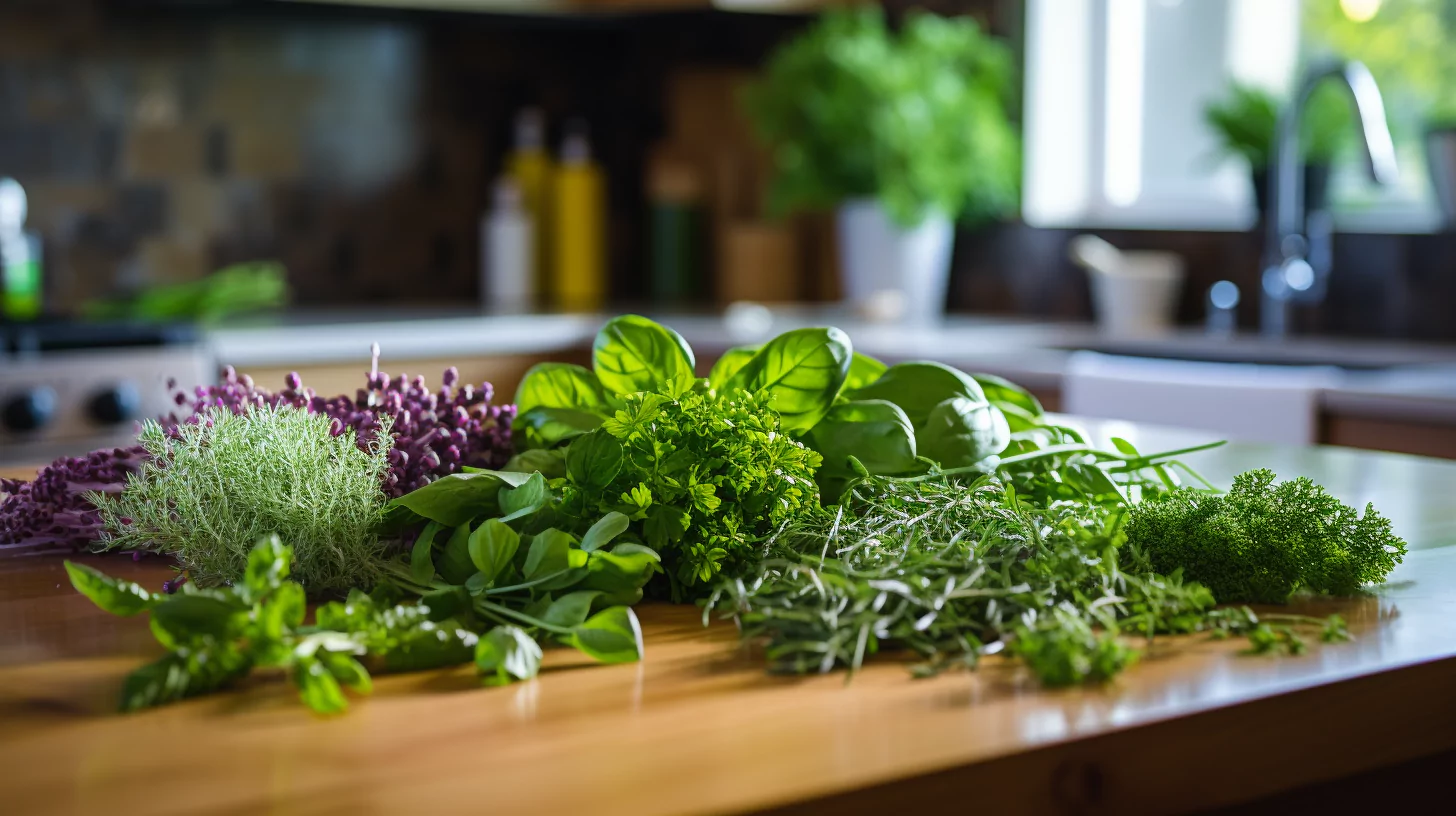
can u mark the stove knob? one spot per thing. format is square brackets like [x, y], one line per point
[30, 410]
[115, 405]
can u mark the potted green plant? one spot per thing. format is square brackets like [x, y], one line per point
[1246, 119]
[901, 131]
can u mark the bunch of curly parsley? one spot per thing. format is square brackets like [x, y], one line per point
[1262, 541]
[705, 478]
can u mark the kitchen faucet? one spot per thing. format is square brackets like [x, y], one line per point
[1297, 255]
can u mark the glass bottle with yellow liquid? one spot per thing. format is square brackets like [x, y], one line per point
[578, 227]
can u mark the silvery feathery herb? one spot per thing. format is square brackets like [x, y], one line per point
[212, 486]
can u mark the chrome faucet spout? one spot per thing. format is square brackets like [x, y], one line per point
[1288, 274]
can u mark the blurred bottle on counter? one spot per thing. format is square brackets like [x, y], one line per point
[20, 269]
[507, 252]
[529, 167]
[676, 224]
[578, 226]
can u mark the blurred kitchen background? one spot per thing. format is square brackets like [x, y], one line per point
[1071, 193]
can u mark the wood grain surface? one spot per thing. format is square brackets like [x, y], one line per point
[698, 727]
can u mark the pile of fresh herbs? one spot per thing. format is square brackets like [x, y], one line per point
[834, 506]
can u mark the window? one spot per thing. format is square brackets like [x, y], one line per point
[1115, 92]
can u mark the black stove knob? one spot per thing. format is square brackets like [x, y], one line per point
[115, 405]
[29, 410]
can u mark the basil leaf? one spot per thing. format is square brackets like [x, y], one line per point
[549, 462]
[422, 563]
[732, 360]
[1003, 393]
[349, 672]
[284, 611]
[492, 546]
[526, 498]
[456, 499]
[549, 427]
[962, 432]
[454, 564]
[632, 353]
[875, 432]
[444, 644]
[621, 573]
[570, 609]
[112, 595]
[317, 687]
[918, 388]
[195, 615]
[506, 654]
[594, 460]
[176, 676]
[447, 603]
[607, 528]
[803, 369]
[548, 554]
[268, 566]
[863, 370]
[560, 385]
[611, 636]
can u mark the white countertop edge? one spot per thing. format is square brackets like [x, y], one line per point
[401, 340]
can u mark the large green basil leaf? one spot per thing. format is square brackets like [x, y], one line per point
[543, 427]
[560, 385]
[492, 546]
[550, 463]
[803, 369]
[1022, 410]
[197, 615]
[593, 460]
[632, 353]
[454, 564]
[550, 553]
[570, 609]
[918, 388]
[506, 654]
[422, 554]
[962, 431]
[875, 432]
[455, 499]
[524, 499]
[111, 594]
[863, 370]
[621, 573]
[732, 360]
[606, 528]
[611, 636]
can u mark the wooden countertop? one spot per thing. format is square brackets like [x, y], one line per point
[699, 727]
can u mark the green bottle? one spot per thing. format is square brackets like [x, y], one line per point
[20, 289]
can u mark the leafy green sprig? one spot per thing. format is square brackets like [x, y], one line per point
[217, 636]
[953, 567]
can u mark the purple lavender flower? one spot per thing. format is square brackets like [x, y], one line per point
[435, 434]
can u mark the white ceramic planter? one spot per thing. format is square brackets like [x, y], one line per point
[882, 262]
